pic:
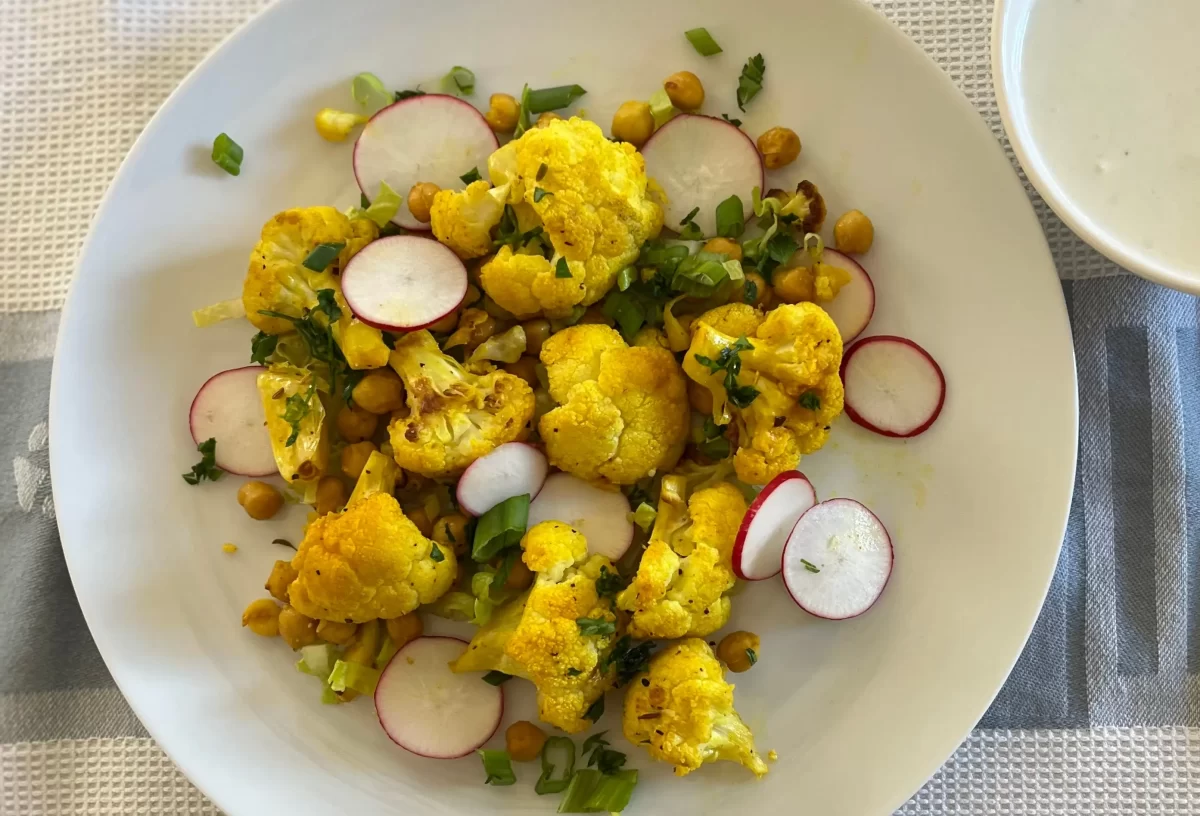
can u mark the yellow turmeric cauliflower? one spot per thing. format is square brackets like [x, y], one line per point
[680, 586]
[277, 280]
[734, 319]
[464, 219]
[538, 637]
[530, 284]
[594, 207]
[367, 562]
[791, 364]
[622, 412]
[454, 416]
[682, 711]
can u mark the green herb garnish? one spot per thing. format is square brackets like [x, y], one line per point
[573, 672]
[735, 122]
[562, 750]
[609, 583]
[227, 154]
[471, 176]
[500, 578]
[752, 656]
[595, 710]
[702, 41]
[496, 678]
[435, 554]
[402, 95]
[626, 278]
[811, 400]
[808, 565]
[539, 193]
[749, 291]
[629, 659]
[729, 361]
[544, 100]
[731, 220]
[498, 767]
[500, 528]
[687, 219]
[595, 626]
[262, 346]
[206, 468]
[561, 270]
[461, 78]
[322, 256]
[751, 80]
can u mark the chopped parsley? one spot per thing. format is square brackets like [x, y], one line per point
[752, 656]
[207, 466]
[751, 80]
[808, 565]
[729, 361]
[471, 176]
[595, 626]
[322, 256]
[539, 193]
[573, 672]
[262, 346]
[609, 583]
[402, 95]
[749, 291]
[496, 678]
[435, 554]
[595, 711]
[561, 270]
[629, 659]
[735, 122]
[810, 400]
[603, 758]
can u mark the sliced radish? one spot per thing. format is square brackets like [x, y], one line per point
[404, 282]
[854, 305]
[837, 560]
[229, 409]
[428, 709]
[433, 138]
[601, 515]
[699, 161]
[893, 386]
[759, 545]
[513, 469]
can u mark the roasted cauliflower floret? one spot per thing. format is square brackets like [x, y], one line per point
[734, 319]
[365, 563]
[527, 284]
[682, 711]
[622, 412]
[680, 586]
[454, 416]
[788, 387]
[464, 219]
[539, 636]
[594, 206]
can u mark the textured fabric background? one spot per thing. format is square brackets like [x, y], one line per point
[1100, 715]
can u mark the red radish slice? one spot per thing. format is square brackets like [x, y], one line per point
[433, 138]
[893, 386]
[854, 305]
[699, 161]
[837, 560]
[428, 709]
[404, 282]
[228, 408]
[601, 515]
[512, 469]
[758, 549]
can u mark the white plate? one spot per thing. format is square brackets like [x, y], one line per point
[861, 712]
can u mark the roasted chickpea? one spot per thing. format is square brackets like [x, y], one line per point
[756, 286]
[421, 519]
[700, 398]
[296, 630]
[792, 285]
[404, 629]
[262, 617]
[739, 651]
[380, 391]
[354, 458]
[331, 495]
[685, 90]
[420, 200]
[445, 325]
[779, 147]
[502, 113]
[524, 741]
[355, 424]
[546, 118]
[854, 233]
[474, 326]
[260, 500]
[337, 632]
[519, 577]
[281, 577]
[451, 532]
[536, 333]
[724, 246]
[525, 368]
[595, 314]
[633, 123]
[473, 295]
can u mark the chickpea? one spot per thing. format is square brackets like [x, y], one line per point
[451, 532]
[262, 617]
[779, 147]
[473, 295]
[524, 741]
[337, 632]
[793, 285]
[700, 398]
[595, 314]
[445, 325]
[296, 630]
[525, 368]
[281, 577]
[474, 326]
[497, 311]
[633, 123]
[421, 519]
[536, 333]
[502, 113]
[331, 495]
[355, 424]
[380, 391]
[420, 200]
[519, 577]
[685, 90]
[755, 285]
[260, 500]
[404, 629]
[546, 118]
[738, 651]
[354, 458]
[854, 233]
[365, 646]
[724, 246]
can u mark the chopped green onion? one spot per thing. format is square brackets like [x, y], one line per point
[661, 108]
[368, 91]
[752, 656]
[471, 176]
[592, 792]
[751, 80]
[561, 270]
[498, 767]
[500, 528]
[626, 277]
[595, 626]
[701, 274]
[227, 154]
[811, 400]
[207, 467]
[808, 565]
[687, 219]
[355, 676]
[322, 256]
[691, 232]
[461, 78]
[731, 220]
[541, 173]
[595, 710]
[435, 554]
[563, 750]
[495, 678]
[702, 41]
[539, 194]
[550, 99]
[382, 210]
[644, 516]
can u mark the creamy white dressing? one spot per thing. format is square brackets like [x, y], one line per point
[1112, 89]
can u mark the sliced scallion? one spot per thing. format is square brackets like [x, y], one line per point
[556, 752]
[227, 154]
[500, 528]
[626, 277]
[461, 78]
[544, 100]
[498, 767]
[702, 41]
[322, 256]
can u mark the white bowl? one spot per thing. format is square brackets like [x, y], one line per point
[861, 712]
[1105, 154]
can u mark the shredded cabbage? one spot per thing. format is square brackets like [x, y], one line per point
[378, 476]
[353, 676]
[661, 108]
[386, 651]
[369, 91]
[219, 312]
[644, 516]
[382, 210]
[455, 606]
[317, 659]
